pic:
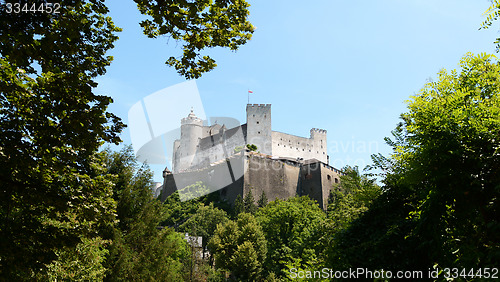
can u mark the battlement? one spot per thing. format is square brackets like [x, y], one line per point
[192, 119]
[318, 131]
[259, 105]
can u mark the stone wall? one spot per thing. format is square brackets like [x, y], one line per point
[277, 178]
[218, 147]
[259, 127]
[287, 145]
[225, 173]
[249, 171]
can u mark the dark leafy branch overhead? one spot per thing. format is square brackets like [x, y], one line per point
[198, 25]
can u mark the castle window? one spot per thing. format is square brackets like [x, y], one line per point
[309, 150]
[336, 180]
[302, 150]
[323, 153]
[253, 115]
[258, 132]
[329, 177]
[257, 122]
[264, 116]
[317, 152]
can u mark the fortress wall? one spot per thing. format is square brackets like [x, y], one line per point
[259, 127]
[312, 182]
[212, 149]
[256, 173]
[329, 176]
[204, 158]
[278, 179]
[287, 145]
[225, 173]
[317, 181]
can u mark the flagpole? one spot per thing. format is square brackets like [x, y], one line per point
[248, 94]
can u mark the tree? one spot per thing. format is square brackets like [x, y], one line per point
[54, 195]
[204, 222]
[240, 246]
[83, 263]
[198, 25]
[53, 192]
[249, 203]
[453, 133]
[178, 212]
[262, 202]
[492, 14]
[350, 197]
[293, 229]
[140, 248]
[442, 181]
[252, 147]
[239, 205]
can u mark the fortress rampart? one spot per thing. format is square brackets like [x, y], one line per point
[283, 167]
[278, 178]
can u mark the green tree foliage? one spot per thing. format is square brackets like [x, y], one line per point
[239, 206]
[249, 203]
[197, 25]
[240, 246]
[293, 229]
[246, 204]
[55, 196]
[140, 249]
[83, 263]
[492, 14]
[262, 202]
[350, 197]
[348, 200]
[177, 211]
[53, 193]
[443, 176]
[252, 147]
[204, 222]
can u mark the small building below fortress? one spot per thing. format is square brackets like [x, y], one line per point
[284, 165]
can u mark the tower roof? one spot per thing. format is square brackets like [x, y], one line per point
[191, 114]
[191, 119]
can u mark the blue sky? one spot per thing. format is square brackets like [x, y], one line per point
[343, 66]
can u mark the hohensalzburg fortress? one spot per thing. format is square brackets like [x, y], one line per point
[201, 145]
[284, 165]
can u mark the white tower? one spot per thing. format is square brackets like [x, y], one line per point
[191, 133]
[259, 127]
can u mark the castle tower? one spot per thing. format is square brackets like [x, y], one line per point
[259, 127]
[319, 149]
[191, 133]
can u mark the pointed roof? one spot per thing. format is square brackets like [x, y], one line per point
[191, 114]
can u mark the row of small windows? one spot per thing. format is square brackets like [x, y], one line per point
[303, 150]
[330, 179]
[298, 143]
